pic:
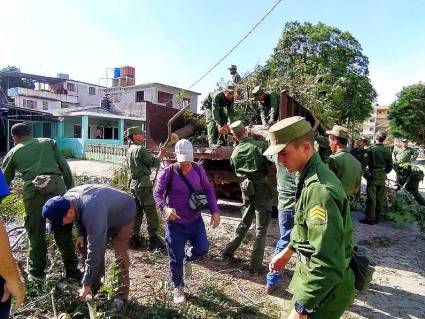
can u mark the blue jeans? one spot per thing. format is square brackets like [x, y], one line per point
[176, 237]
[286, 223]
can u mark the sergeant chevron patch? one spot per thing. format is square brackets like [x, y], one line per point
[318, 214]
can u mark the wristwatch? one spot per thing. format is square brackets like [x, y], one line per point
[300, 309]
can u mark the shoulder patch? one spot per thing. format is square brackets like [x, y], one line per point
[318, 214]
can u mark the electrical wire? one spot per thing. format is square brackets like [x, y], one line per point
[236, 45]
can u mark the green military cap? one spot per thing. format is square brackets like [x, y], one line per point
[381, 134]
[230, 88]
[133, 130]
[339, 131]
[237, 127]
[233, 67]
[284, 132]
[257, 90]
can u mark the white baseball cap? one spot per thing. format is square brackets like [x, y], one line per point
[184, 151]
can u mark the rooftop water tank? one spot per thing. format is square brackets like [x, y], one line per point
[117, 72]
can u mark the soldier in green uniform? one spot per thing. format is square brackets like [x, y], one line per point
[378, 166]
[403, 154]
[359, 151]
[46, 174]
[219, 112]
[252, 166]
[236, 78]
[323, 148]
[140, 162]
[268, 104]
[342, 163]
[410, 176]
[322, 237]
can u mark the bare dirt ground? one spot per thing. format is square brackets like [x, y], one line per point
[397, 291]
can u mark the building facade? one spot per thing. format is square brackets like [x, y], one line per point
[377, 121]
[129, 98]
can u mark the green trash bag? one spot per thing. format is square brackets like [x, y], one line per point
[363, 267]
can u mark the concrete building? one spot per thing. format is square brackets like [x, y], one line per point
[377, 121]
[52, 94]
[131, 99]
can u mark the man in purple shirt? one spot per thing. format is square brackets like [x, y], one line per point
[172, 194]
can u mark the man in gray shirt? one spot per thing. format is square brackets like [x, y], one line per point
[101, 213]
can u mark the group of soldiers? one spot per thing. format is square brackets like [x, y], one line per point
[316, 177]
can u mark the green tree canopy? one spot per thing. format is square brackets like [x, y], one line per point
[11, 82]
[322, 67]
[407, 113]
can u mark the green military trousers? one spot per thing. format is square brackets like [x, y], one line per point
[374, 199]
[212, 129]
[338, 300]
[145, 206]
[256, 205]
[36, 230]
[412, 186]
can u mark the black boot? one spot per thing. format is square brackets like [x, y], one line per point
[74, 274]
[136, 242]
[156, 243]
[367, 221]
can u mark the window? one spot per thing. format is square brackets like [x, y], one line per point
[77, 131]
[108, 133]
[186, 101]
[45, 105]
[165, 98]
[70, 87]
[103, 133]
[29, 104]
[47, 129]
[92, 90]
[140, 96]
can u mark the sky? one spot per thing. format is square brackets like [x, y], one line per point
[176, 41]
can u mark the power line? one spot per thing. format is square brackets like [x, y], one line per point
[236, 45]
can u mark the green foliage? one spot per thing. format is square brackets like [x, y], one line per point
[324, 69]
[120, 178]
[12, 207]
[112, 284]
[405, 211]
[11, 82]
[67, 152]
[407, 113]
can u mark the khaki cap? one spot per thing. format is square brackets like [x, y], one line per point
[284, 132]
[381, 134]
[230, 88]
[339, 131]
[133, 130]
[237, 127]
[257, 90]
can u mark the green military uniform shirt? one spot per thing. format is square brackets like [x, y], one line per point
[286, 186]
[247, 159]
[379, 162]
[36, 156]
[360, 155]
[222, 111]
[403, 155]
[323, 148]
[347, 169]
[140, 162]
[323, 238]
[269, 108]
